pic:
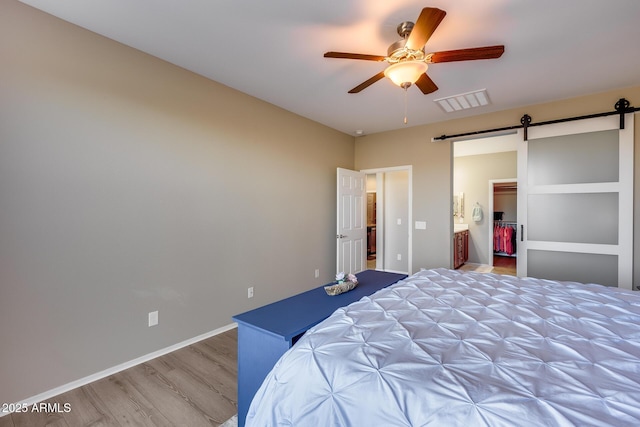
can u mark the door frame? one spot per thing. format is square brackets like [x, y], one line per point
[380, 203]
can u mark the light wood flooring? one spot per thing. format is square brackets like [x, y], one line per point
[371, 262]
[501, 265]
[193, 386]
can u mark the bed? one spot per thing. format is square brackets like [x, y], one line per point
[447, 348]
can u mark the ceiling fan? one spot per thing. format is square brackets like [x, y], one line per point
[407, 58]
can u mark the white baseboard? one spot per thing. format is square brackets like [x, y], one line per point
[113, 370]
[396, 271]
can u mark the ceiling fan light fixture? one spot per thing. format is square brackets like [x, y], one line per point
[405, 72]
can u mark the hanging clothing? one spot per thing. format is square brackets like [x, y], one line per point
[504, 238]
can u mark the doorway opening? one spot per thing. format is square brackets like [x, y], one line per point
[389, 219]
[503, 208]
[475, 163]
[372, 215]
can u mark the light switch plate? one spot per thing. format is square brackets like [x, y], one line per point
[153, 318]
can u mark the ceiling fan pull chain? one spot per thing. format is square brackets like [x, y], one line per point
[405, 105]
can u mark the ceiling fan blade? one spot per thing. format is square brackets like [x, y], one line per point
[427, 22]
[487, 52]
[368, 83]
[426, 85]
[362, 56]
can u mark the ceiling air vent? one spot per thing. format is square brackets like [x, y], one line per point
[464, 101]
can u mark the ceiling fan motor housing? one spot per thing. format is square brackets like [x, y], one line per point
[398, 52]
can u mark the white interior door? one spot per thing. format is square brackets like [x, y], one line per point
[575, 202]
[351, 234]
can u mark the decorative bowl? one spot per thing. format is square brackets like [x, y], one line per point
[339, 288]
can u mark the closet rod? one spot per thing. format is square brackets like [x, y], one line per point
[622, 107]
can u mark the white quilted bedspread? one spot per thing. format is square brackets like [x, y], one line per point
[444, 348]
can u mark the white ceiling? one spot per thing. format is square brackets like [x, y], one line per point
[273, 50]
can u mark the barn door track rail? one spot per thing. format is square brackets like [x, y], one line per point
[621, 108]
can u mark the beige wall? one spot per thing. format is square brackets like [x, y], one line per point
[432, 170]
[129, 185]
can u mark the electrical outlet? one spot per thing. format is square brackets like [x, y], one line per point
[153, 318]
[399, 257]
[317, 273]
[250, 292]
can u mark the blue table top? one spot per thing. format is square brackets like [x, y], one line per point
[293, 316]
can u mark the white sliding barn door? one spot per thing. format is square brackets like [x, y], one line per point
[575, 202]
[351, 234]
